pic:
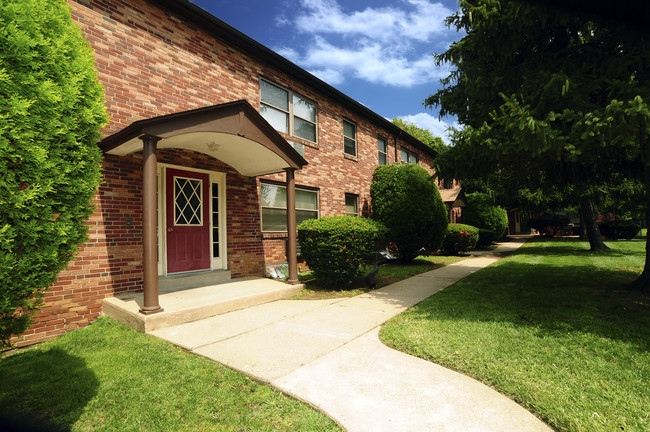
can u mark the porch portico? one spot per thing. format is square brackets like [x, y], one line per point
[234, 133]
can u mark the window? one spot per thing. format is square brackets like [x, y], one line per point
[447, 184]
[382, 148]
[215, 220]
[274, 206]
[349, 138]
[351, 205]
[187, 202]
[287, 111]
[408, 156]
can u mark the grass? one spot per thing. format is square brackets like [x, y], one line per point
[551, 326]
[388, 273]
[107, 377]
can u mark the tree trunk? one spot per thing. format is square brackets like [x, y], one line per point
[596, 242]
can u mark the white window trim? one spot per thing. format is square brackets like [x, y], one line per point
[356, 198]
[307, 189]
[220, 263]
[408, 155]
[290, 111]
[355, 140]
[385, 152]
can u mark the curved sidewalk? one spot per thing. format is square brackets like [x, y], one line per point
[328, 354]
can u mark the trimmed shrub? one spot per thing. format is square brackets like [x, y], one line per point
[336, 247]
[549, 225]
[482, 213]
[619, 229]
[460, 238]
[486, 237]
[406, 201]
[51, 112]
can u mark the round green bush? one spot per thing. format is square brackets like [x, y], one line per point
[548, 225]
[485, 237]
[460, 238]
[619, 229]
[482, 213]
[336, 247]
[51, 112]
[406, 201]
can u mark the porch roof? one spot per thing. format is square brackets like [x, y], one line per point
[455, 197]
[234, 133]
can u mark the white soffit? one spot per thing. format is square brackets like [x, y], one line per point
[248, 157]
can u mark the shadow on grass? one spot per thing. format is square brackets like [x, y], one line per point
[44, 390]
[576, 247]
[564, 292]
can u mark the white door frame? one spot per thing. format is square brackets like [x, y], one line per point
[218, 263]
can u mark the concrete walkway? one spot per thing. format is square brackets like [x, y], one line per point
[328, 354]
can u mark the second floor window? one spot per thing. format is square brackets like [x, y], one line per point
[408, 156]
[288, 112]
[447, 184]
[349, 138]
[382, 147]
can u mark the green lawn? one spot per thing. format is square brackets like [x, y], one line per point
[552, 327]
[388, 273]
[107, 377]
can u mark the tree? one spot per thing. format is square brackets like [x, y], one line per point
[407, 202]
[422, 134]
[481, 212]
[51, 111]
[543, 91]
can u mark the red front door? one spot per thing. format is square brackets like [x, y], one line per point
[188, 223]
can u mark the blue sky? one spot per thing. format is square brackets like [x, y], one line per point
[378, 52]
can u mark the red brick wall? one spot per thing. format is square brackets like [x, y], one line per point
[151, 63]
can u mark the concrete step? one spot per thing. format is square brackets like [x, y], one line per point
[192, 280]
[191, 304]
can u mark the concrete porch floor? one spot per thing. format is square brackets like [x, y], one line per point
[185, 305]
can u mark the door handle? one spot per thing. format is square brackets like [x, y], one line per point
[170, 229]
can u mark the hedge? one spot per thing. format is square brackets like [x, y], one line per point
[549, 225]
[486, 237]
[336, 247]
[460, 238]
[619, 229]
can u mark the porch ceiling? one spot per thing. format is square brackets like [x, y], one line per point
[234, 133]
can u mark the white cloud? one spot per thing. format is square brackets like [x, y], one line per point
[375, 44]
[436, 126]
[330, 76]
[369, 61]
[387, 24]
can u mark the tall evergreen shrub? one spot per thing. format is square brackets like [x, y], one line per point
[481, 212]
[51, 111]
[406, 201]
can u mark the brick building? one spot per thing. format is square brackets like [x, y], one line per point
[214, 142]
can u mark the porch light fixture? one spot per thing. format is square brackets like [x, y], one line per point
[213, 146]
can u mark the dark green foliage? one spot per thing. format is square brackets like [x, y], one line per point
[548, 225]
[482, 213]
[51, 110]
[620, 229]
[422, 134]
[460, 238]
[335, 247]
[546, 93]
[486, 237]
[407, 202]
